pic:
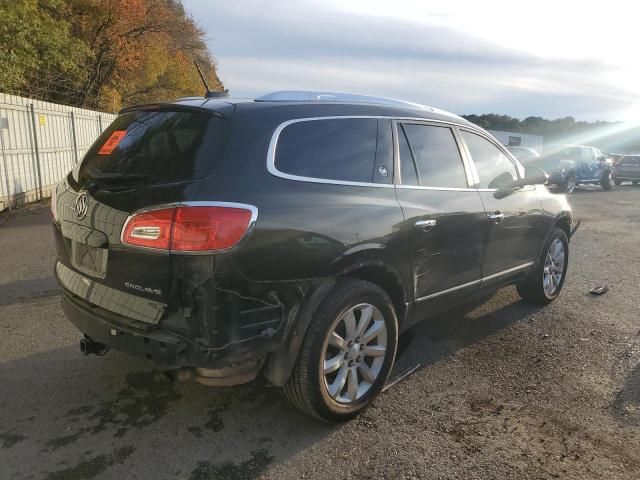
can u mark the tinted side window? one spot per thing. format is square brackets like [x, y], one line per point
[407, 166]
[494, 167]
[436, 156]
[333, 149]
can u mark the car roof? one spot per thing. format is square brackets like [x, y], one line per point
[307, 103]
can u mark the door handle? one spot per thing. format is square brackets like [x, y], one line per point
[496, 217]
[425, 224]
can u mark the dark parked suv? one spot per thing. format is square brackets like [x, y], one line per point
[295, 236]
[627, 168]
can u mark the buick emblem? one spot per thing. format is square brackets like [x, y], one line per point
[82, 205]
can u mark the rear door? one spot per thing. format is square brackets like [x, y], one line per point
[144, 159]
[515, 224]
[445, 221]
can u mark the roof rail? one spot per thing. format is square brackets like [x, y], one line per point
[313, 96]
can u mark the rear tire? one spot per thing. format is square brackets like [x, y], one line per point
[607, 181]
[536, 287]
[318, 384]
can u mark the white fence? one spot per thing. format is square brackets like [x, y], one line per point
[40, 142]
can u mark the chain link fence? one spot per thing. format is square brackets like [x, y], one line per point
[40, 142]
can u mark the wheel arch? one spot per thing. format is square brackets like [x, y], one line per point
[563, 221]
[280, 364]
[386, 278]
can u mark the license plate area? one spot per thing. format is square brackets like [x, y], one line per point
[89, 260]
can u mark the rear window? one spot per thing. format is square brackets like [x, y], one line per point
[148, 147]
[337, 149]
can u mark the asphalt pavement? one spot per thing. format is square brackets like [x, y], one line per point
[505, 391]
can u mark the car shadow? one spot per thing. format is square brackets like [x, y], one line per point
[434, 339]
[626, 406]
[64, 416]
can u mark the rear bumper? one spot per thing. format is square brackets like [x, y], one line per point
[166, 349]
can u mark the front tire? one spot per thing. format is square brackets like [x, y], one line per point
[543, 285]
[607, 181]
[569, 185]
[347, 353]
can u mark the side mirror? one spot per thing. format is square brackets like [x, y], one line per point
[506, 185]
[534, 176]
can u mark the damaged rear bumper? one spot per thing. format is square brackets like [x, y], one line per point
[166, 349]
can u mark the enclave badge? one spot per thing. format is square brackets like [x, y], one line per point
[82, 205]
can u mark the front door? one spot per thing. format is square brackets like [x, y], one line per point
[445, 221]
[589, 164]
[515, 221]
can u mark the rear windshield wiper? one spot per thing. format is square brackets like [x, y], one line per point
[110, 176]
[97, 181]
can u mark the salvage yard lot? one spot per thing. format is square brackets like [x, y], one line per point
[506, 390]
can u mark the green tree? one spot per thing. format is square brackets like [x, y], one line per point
[39, 56]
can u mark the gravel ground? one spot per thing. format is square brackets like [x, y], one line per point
[506, 391]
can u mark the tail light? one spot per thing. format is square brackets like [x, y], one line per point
[190, 228]
[54, 203]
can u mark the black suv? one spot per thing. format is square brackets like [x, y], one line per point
[294, 236]
[627, 168]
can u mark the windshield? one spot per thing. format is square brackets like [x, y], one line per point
[562, 153]
[151, 147]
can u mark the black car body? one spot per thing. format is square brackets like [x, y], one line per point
[420, 203]
[627, 169]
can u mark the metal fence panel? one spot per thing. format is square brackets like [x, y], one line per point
[39, 143]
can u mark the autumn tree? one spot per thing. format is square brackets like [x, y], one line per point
[126, 52]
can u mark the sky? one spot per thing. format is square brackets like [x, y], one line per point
[546, 58]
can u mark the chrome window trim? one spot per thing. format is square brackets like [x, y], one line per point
[446, 189]
[271, 151]
[245, 206]
[475, 282]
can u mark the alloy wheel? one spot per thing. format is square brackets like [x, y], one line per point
[553, 267]
[571, 184]
[354, 353]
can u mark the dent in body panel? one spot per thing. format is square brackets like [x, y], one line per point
[516, 238]
[449, 253]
